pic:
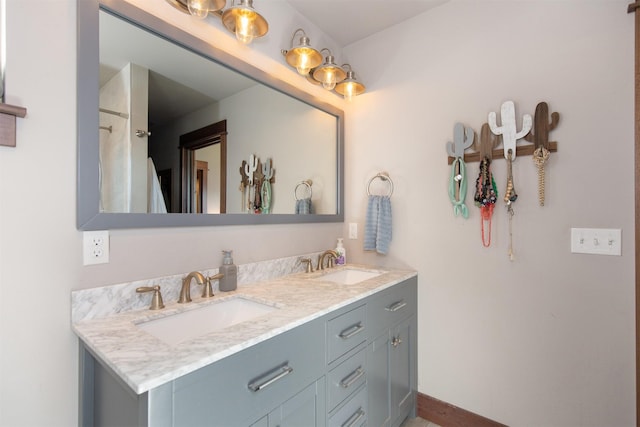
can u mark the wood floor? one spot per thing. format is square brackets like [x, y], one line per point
[418, 422]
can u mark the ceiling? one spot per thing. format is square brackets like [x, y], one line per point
[347, 21]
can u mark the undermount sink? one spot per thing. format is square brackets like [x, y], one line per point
[176, 328]
[349, 276]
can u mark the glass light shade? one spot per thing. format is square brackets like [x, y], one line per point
[350, 87]
[245, 22]
[303, 57]
[198, 8]
[329, 73]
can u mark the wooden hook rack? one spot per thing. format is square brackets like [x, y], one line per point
[521, 150]
[490, 144]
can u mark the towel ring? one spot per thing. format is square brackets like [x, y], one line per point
[383, 176]
[306, 183]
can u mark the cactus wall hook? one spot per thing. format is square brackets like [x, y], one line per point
[462, 139]
[508, 128]
[487, 143]
[542, 125]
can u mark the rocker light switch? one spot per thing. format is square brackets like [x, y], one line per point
[599, 241]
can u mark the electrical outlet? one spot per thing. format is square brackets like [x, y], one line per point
[353, 230]
[95, 247]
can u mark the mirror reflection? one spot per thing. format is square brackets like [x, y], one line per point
[182, 134]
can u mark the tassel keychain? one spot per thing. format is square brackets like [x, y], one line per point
[540, 157]
[458, 188]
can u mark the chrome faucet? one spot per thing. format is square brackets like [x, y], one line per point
[185, 291]
[332, 256]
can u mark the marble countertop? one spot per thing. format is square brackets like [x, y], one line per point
[143, 361]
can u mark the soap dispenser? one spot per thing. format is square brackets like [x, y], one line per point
[342, 253]
[228, 282]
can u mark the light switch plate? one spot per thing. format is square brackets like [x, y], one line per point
[353, 230]
[599, 241]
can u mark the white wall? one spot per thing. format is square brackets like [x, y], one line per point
[546, 340]
[40, 248]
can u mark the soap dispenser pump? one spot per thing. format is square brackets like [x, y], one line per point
[342, 253]
[228, 282]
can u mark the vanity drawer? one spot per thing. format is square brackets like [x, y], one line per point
[346, 331]
[252, 381]
[353, 413]
[391, 306]
[346, 378]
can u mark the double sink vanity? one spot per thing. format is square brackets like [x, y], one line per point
[334, 347]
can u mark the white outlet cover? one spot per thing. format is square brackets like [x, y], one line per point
[95, 247]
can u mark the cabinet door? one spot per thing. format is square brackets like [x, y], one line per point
[378, 381]
[401, 368]
[304, 409]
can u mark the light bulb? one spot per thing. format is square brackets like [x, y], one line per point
[348, 91]
[329, 81]
[245, 27]
[303, 65]
[198, 8]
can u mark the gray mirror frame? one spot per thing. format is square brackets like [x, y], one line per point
[88, 216]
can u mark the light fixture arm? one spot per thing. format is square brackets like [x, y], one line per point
[293, 37]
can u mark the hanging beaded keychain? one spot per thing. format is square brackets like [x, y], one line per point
[510, 197]
[485, 197]
[540, 157]
[458, 187]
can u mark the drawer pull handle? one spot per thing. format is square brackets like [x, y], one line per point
[396, 306]
[279, 374]
[353, 420]
[354, 376]
[353, 330]
[396, 341]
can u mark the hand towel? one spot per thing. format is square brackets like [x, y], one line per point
[377, 232]
[303, 206]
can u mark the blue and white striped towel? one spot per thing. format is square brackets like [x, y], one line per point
[377, 231]
[303, 206]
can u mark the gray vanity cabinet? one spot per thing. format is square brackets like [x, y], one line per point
[304, 409]
[355, 366]
[391, 354]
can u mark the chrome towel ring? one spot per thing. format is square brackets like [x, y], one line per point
[307, 183]
[383, 176]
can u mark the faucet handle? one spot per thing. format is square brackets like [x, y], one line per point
[207, 292]
[156, 300]
[309, 264]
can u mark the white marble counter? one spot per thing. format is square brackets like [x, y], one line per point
[143, 361]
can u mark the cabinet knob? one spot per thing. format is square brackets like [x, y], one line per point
[396, 341]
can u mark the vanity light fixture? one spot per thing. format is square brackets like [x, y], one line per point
[198, 8]
[201, 8]
[350, 86]
[329, 73]
[244, 21]
[241, 19]
[303, 57]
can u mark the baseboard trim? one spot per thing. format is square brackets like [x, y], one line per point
[448, 415]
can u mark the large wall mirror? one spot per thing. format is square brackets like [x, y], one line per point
[174, 132]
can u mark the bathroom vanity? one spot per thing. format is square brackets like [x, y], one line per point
[328, 353]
